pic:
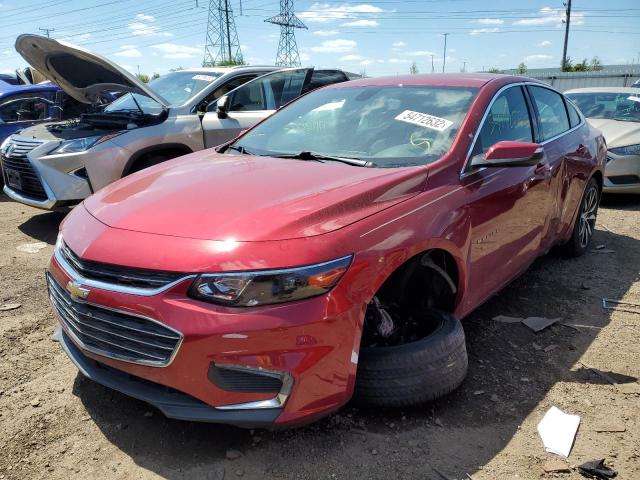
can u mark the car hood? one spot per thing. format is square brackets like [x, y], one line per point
[81, 74]
[212, 196]
[617, 133]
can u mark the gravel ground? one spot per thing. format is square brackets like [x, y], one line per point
[56, 425]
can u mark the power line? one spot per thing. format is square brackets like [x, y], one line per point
[222, 45]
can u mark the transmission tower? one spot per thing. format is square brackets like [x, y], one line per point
[222, 45]
[287, 47]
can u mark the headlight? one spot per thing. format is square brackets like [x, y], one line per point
[263, 287]
[82, 144]
[628, 150]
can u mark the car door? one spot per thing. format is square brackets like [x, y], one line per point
[555, 120]
[507, 205]
[252, 102]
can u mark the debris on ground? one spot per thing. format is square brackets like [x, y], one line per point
[604, 250]
[536, 324]
[610, 427]
[600, 373]
[34, 247]
[9, 306]
[620, 306]
[597, 469]
[232, 454]
[556, 466]
[558, 431]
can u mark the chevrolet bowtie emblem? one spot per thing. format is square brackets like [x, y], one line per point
[76, 290]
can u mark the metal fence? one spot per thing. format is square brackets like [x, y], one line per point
[567, 80]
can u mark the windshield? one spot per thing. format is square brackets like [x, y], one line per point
[608, 105]
[175, 87]
[389, 126]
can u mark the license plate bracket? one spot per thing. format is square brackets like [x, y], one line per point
[14, 179]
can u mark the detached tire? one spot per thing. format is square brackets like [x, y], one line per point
[415, 372]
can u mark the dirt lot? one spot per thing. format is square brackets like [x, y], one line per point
[55, 424]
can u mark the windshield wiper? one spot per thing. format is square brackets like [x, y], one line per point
[320, 157]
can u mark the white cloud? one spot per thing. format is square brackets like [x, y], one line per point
[338, 45]
[144, 29]
[489, 21]
[420, 53]
[544, 43]
[325, 33]
[551, 16]
[304, 57]
[399, 44]
[325, 12]
[361, 23]
[479, 31]
[537, 58]
[146, 18]
[351, 58]
[129, 52]
[398, 60]
[173, 50]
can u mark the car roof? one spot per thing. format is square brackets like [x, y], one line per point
[604, 89]
[223, 70]
[476, 80]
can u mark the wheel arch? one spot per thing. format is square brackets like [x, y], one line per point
[175, 149]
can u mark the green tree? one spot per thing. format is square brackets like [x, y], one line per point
[143, 77]
[567, 65]
[595, 64]
[155, 75]
[495, 70]
[413, 69]
[582, 66]
[522, 68]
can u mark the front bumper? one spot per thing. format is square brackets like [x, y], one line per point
[622, 174]
[308, 344]
[171, 403]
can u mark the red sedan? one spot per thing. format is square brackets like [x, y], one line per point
[328, 252]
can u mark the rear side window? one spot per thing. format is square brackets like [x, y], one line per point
[574, 118]
[321, 78]
[551, 111]
[508, 119]
[269, 92]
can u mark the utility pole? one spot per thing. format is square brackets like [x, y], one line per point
[566, 34]
[47, 31]
[444, 55]
[287, 55]
[222, 45]
[464, 67]
[432, 67]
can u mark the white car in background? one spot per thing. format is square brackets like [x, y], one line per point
[57, 165]
[616, 112]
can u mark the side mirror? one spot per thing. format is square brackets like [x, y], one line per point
[201, 109]
[510, 154]
[222, 106]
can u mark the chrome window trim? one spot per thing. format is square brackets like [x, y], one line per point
[145, 292]
[464, 172]
[106, 354]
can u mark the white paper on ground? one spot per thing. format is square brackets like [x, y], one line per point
[558, 431]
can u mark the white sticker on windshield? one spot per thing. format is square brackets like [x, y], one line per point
[424, 120]
[633, 98]
[204, 78]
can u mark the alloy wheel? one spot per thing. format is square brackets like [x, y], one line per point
[588, 216]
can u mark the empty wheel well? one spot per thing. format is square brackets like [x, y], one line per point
[598, 177]
[148, 157]
[426, 282]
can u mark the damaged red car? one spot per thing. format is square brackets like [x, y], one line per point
[328, 252]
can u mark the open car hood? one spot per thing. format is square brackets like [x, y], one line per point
[81, 74]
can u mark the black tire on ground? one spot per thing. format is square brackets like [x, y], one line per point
[585, 221]
[149, 161]
[415, 372]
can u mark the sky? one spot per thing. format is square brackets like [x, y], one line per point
[378, 37]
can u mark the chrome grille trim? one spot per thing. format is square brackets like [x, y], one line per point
[95, 328]
[79, 277]
[16, 159]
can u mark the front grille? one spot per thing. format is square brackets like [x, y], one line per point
[113, 333]
[118, 275]
[624, 179]
[243, 380]
[17, 160]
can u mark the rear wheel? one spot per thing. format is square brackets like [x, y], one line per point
[149, 161]
[585, 222]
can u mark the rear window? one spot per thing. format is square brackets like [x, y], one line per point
[551, 111]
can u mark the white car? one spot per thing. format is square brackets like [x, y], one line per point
[616, 112]
[58, 165]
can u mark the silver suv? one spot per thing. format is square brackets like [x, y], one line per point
[59, 164]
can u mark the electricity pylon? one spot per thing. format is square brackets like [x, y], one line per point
[287, 47]
[222, 45]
